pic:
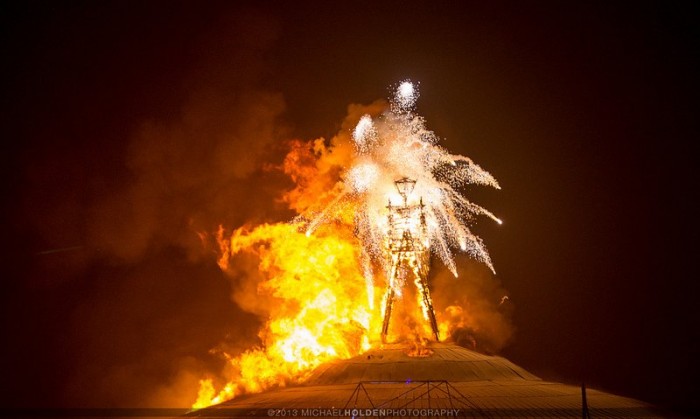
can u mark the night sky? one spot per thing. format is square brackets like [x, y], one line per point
[129, 127]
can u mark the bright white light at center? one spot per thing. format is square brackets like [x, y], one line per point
[406, 89]
[406, 95]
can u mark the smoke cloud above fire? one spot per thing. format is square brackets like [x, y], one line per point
[127, 299]
[192, 168]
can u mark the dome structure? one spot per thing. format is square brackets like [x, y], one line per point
[438, 380]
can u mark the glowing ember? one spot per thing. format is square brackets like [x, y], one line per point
[372, 204]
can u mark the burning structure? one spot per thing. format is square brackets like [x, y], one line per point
[407, 250]
[397, 159]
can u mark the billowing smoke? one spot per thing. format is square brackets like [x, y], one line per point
[127, 298]
[475, 306]
[189, 171]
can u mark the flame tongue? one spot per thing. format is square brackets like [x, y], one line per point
[315, 300]
[420, 350]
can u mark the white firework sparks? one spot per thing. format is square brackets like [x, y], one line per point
[364, 134]
[398, 145]
[405, 97]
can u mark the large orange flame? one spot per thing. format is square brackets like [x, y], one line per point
[320, 308]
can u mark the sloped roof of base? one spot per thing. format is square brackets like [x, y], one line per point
[447, 380]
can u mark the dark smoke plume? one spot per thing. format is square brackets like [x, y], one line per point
[127, 299]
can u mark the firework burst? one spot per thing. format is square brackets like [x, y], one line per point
[398, 145]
